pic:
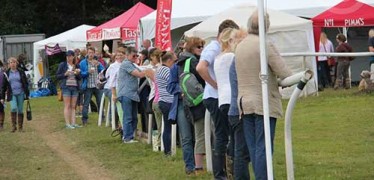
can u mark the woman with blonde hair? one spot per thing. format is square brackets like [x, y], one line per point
[16, 86]
[325, 45]
[236, 150]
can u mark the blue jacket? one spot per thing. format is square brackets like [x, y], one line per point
[173, 89]
[62, 68]
[84, 72]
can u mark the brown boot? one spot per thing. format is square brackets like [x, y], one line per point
[20, 122]
[13, 116]
[2, 115]
[347, 84]
[337, 83]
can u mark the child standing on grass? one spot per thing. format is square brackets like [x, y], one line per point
[2, 114]
[15, 84]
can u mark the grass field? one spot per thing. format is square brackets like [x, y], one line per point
[333, 138]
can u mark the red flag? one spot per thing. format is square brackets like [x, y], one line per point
[163, 35]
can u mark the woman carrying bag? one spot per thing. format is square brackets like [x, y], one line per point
[16, 86]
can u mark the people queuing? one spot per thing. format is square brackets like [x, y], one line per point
[69, 75]
[190, 119]
[15, 89]
[228, 40]
[248, 65]
[220, 121]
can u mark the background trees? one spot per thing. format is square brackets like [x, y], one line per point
[55, 16]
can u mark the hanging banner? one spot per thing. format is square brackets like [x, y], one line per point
[129, 36]
[52, 50]
[163, 35]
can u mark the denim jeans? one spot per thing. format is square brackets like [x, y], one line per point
[241, 157]
[108, 94]
[221, 132]
[323, 74]
[87, 98]
[253, 126]
[166, 135]
[130, 117]
[221, 126]
[185, 130]
[16, 104]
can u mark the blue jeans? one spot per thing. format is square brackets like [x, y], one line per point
[241, 157]
[166, 135]
[254, 133]
[221, 132]
[87, 98]
[323, 74]
[221, 126]
[186, 132]
[16, 104]
[130, 117]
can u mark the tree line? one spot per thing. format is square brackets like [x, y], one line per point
[52, 17]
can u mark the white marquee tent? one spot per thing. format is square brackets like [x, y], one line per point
[185, 13]
[71, 39]
[289, 33]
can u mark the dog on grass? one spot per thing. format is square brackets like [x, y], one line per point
[366, 84]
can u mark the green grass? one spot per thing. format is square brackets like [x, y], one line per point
[333, 138]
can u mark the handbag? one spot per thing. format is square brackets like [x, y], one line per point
[59, 95]
[28, 111]
[331, 61]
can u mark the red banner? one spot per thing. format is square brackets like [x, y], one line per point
[163, 35]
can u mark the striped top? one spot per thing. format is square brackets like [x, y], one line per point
[162, 78]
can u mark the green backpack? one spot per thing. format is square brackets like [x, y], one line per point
[192, 90]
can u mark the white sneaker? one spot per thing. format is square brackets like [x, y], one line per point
[68, 126]
[130, 141]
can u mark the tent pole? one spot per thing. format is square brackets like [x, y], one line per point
[264, 81]
[345, 32]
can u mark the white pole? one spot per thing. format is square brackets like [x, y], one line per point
[307, 75]
[107, 114]
[173, 139]
[113, 104]
[208, 145]
[101, 110]
[264, 81]
[150, 129]
[162, 132]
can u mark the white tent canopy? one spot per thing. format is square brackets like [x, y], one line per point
[71, 39]
[289, 33]
[306, 9]
[185, 13]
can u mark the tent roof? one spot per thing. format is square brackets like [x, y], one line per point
[279, 21]
[77, 34]
[348, 13]
[128, 19]
[187, 12]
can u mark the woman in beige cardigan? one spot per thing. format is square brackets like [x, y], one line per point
[248, 66]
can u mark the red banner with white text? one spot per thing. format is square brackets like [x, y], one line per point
[163, 35]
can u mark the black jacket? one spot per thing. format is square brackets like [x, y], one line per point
[6, 88]
[62, 68]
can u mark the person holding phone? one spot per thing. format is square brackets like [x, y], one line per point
[69, 76]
